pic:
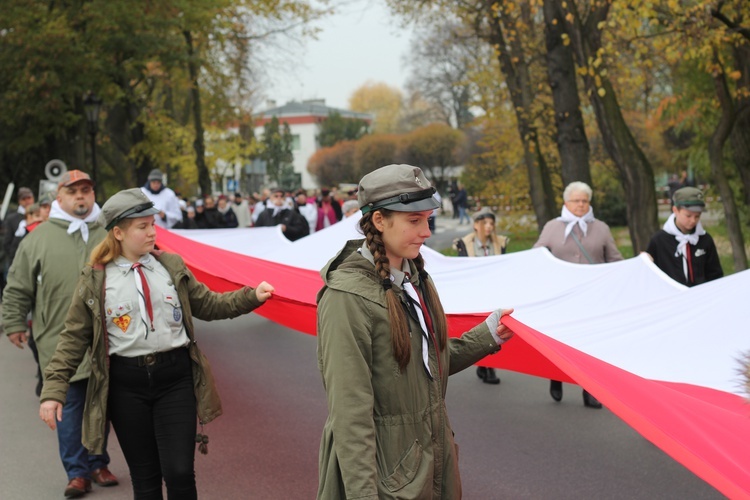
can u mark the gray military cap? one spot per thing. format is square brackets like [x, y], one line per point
[690, 198]
[402, 188]
[127, 204]
[483, 214]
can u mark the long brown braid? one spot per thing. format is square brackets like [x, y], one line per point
[400, 338]
[434, 306]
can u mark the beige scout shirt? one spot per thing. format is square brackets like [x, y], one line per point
[128, 327]
[483, 250]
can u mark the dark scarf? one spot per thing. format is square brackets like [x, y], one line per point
[148, 187]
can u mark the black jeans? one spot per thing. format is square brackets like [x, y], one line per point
[152, 409]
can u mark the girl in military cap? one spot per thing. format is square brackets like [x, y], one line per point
[385, 355]
[482, 242]
[134, 310]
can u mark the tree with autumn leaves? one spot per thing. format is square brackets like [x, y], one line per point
[714, 42]
[173, 76]
[592, 84]
[436, 148]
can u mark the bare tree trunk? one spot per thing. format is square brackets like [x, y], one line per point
[740, 140]
[125, 132]
[716, 157]
[572, 144]
[515, 68]
[740, 136]
[635, 170]
[204, 180]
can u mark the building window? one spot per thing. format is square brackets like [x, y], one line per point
[295, 142]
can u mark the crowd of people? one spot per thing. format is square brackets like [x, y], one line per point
[299, 212]
[113, 336]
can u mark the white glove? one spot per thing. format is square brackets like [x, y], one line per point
[492, 321]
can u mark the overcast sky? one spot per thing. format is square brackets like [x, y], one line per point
[360, 43]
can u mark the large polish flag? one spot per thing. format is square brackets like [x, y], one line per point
[665, 358]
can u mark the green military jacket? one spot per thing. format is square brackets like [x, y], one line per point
[387, 434]
[42, 280]
[85, 328]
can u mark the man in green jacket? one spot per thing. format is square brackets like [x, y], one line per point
[42, 280]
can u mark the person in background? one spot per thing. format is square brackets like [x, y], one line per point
[308, 210]
[673, 184]
[482, 242]
[212, 218]
[34, 217]
[133, 314]
[261, 204]
[241, 210]
[183, 208]
[462, 203]
[452, 193]
[682, 248]
[164, 199]
[385, 355]
[188, 216]
[336, 196]
[577, 237]
[68, 237]
[229, 218]
[25, 199]
[435, 212]
[329, 210]
[293, 224]
[350, 207]
[32, 221]
[188, 222]
[200, 214]
[686, 180]
[45, 205]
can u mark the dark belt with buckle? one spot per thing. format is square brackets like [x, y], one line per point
[150, 359]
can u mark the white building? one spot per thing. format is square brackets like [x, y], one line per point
[304, 120]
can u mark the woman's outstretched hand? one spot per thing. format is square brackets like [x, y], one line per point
[264, 291]
[502, 332]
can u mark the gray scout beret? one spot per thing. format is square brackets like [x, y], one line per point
[127, 204]
[402, 188]
[690, 198]
[483, 214]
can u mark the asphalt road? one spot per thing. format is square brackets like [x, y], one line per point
[515, 442]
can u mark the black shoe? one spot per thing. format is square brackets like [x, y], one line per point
[590, 401]
[491, 377]
[555, 390]
[481, 372]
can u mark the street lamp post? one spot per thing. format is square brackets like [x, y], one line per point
[91, 105]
